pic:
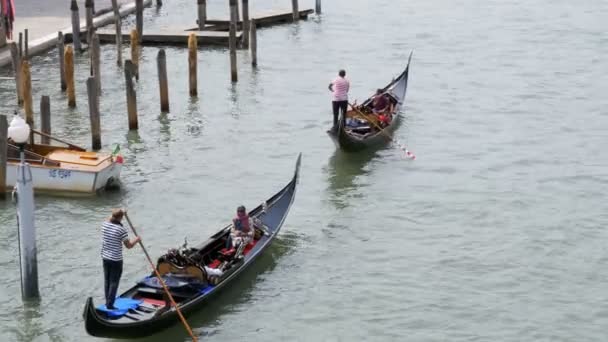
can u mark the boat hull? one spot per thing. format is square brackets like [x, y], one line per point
[95, 326]
[53, 179]
[272, 215]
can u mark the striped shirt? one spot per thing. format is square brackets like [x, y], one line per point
[113, 236]
[340, 87]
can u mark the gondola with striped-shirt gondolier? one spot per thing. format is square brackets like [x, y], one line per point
[114, 236]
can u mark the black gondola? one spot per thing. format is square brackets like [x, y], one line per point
[144, 309]
[364, 134]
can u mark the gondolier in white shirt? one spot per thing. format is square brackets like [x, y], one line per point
[114, 236]
[339, 87]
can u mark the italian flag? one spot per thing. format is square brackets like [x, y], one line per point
[117, 156]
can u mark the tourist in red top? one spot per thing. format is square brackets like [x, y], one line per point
[380, 103]
[242, 230]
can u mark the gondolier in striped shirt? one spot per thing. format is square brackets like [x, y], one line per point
[339, 87]
[114, 236]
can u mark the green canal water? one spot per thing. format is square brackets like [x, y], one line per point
[496, 232]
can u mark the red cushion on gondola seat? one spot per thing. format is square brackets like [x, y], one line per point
[250, 246]
[154, 301]
[227, 252]
[215, 263]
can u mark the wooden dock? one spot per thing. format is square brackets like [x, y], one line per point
[215, 33]
[171, 37]
[265, 19]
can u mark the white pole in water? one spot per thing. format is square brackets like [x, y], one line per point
[19, 132]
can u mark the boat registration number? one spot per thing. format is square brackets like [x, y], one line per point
[60, 174]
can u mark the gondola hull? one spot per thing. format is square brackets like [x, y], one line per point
[349, 142]
[272, 215]
[97, 326]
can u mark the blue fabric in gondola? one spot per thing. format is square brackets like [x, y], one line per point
[207, 289]
[122, 305]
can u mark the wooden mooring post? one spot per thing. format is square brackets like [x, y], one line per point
[139, 19]
[161, 63]
[69, 76]
[94, 112]
[232, 41]
[118, 24]
[3, 151]
[20, 44]
[202, 14]
[115, 8]
[238, 12]
[96, 61]
[61, 52]
[192, 64]
[2, 26]
[246, 24]
[75, 25]
[318, 6]
[45, 119]
[16, 60]
[88, 6]
[254, 43]
[2, 36]
[27, 43]
[296, 11]
[131, 95]
[26, 84]
[135, 53]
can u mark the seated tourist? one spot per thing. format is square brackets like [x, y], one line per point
[242, 230]
[380, 103]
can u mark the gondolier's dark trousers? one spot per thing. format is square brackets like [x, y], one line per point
[112, 271]
[337, 107]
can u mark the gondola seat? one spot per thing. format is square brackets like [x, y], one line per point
[215, 263]
[227, 253]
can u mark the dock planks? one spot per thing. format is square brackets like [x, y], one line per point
[215, 33]
[171, 37]
[264, 19]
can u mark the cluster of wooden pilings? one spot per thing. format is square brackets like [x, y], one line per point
[21, 68]
[66, 54]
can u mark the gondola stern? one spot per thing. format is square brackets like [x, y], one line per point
[91, 319]
[345, 142]
[89, 308]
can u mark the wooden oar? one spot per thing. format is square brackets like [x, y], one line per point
[403, 147]
[70, 145]
[162, 282]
